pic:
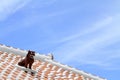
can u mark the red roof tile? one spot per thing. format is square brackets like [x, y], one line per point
[46, 69]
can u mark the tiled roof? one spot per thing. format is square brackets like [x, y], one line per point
[46, 68]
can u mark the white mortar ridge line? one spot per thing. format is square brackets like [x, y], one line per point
[59, 69]
[25, 69]
[27, 77]
[47, 59]
[11, 73]
[1, 55]
[18, 76]
[39, 67]
[11, 47]
[83, 77]
[8, 65]
[76, 77]
[87, 78]
[48, 65]
[54, 67]
[42, 63]
[5, 60]
[18, 51]
[46, 69]
[64, 73]
[74, 70]
[3, 71]
[42, 74]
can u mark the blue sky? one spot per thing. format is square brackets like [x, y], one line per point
[84, 34]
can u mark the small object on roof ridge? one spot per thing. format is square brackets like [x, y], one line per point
[51, 56]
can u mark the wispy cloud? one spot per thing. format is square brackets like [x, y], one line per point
[88, 46]
[84, 47]
[96, 26]
[8, 7]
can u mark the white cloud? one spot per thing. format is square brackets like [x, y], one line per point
[87, 50]
[8, 7]
[96, 26]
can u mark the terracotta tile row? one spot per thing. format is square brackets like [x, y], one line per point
[46, 71]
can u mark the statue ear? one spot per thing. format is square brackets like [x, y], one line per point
[34, 53]
[29, 52]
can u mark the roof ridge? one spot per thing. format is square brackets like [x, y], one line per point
[87, 75]
[48, 59]
[18, 51]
